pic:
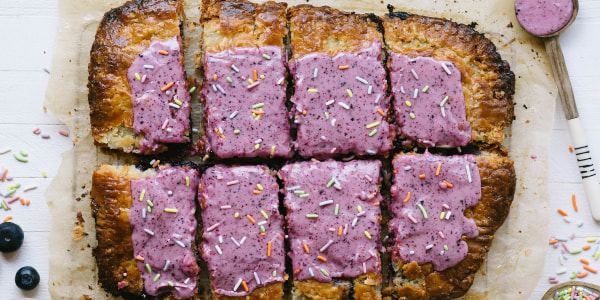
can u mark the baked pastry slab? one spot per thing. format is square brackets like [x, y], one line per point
[340, 99]
[412, 280]
[487, 82]
[244, 93]
[163, 231]
[112, 200]
[333, 220]
[243, 240]
[122, 35]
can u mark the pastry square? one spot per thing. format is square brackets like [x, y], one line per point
[333, 220]
[243, 239]
[145, 227]
[445, 211]
[443, 49]
[244, 93]
[340, 98]
[429, 101]
[138, 94]
[431, 193]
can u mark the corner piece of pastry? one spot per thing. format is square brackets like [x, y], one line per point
[449, 84]
[145, 228]
[340, 99]
[243, 240]
[333, 218]
[138, 94]
[244, 93]
[445, 211]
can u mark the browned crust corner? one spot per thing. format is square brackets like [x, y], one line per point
[326, 29]
[123, 33]
[488, 82]
[272, 291]
[498, 184]
[111, 199]
[240, 23]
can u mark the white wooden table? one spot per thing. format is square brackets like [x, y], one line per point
[27, 33]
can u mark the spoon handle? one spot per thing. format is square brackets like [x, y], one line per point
[580, 146]
[561, 76]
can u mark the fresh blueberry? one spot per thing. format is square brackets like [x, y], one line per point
[27, 278]
[11, 237]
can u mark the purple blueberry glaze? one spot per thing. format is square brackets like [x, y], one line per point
[413, 232]
[431, 123]
[247, 191]
[158, 235]
[542, 17]
[327, 128]
[152, 114]
[355, 251]
[229, 105]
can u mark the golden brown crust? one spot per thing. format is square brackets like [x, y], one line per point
[326, 29]
[498, 182]
[270, 292]
[488, 83]
[239, 23]
[123, 33]
[111, 199]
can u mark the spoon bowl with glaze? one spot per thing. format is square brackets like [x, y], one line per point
[547, 19]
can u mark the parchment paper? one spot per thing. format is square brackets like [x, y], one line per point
[516, 259]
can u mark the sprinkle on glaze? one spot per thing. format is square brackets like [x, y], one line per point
[245, 240]
[161, 102]
[246, 103]
[347, 94]
[428, 223]
[433, 112]
[163, 236]
[333, 230]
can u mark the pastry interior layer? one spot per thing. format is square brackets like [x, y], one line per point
[243, 239]
[421, 281]
[245, 92]
[362, 287]
[333, 220]
[487, 82]
[163, 231]
[124, 32]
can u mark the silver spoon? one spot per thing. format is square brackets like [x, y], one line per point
[565, 91]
